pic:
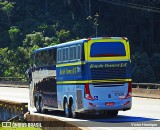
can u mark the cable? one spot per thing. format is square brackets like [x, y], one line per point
[131, 5]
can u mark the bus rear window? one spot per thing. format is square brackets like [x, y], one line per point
[107, 49]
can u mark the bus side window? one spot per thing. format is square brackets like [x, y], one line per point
[63, 55]
[59, 56]
[67, 54]
[54, 53]
[71, 53]
[44, 58]
[50, 57]
[37, 60]
[75, 53]
[79, 52]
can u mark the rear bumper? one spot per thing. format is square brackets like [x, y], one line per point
[123, 104]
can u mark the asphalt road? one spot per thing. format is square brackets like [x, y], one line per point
[14, 94]
[144, 110]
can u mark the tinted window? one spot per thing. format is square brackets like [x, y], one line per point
[79, 52]
[107, 49]
[51, 56]
[71, 53]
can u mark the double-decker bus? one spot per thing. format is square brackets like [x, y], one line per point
[87, 75]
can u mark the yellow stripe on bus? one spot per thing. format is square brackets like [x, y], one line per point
[71, 64]
[93, 81]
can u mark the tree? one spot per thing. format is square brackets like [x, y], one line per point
[14, 34]
[142, 70]
[7, 8]
[155, 63]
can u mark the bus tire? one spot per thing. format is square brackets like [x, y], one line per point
[37, 104]
[66, 109]
[72, 111]
[112, 113]
[41, 106]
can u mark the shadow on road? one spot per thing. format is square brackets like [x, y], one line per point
[123, 119]
[100, 118]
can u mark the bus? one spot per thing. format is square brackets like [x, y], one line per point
[84, 76]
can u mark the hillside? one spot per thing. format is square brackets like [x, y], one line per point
[29, 24]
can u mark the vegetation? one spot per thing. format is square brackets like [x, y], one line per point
[26, 25]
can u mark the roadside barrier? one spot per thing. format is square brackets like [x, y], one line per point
[50, 122]
[10, 109]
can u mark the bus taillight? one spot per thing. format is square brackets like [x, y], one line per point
[87, 92]
[129, 94]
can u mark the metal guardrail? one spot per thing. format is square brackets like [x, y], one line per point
[146, 85]
[21, 79]
[13, 81]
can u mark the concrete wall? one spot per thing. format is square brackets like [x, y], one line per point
[51, 122]
[148, 93]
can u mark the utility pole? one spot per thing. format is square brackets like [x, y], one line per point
[94, 22]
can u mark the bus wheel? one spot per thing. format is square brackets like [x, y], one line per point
[41, 106]
[72, 110]
[113, 113]
[66, 109]
[37, 105]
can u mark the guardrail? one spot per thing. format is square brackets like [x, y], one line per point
[11, 109]
[21, 79]
[13, 82]
[146, 85]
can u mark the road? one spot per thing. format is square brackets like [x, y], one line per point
[143, 110]
[14, 94]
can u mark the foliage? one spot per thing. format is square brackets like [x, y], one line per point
[26, 25]
[141, 68]
[7, 8]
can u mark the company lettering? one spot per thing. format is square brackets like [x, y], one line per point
[92, 66]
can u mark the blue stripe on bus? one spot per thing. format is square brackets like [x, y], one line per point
[95, 71]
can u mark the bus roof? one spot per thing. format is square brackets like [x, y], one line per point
[60, 45]
[72, 43]
[75, 42]
[44, 48]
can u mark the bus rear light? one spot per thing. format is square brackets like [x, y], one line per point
[109, 103]
[126, 103]
[124, 38]
[91, 104]
[129, 94]
[89, 39]
[87, 92]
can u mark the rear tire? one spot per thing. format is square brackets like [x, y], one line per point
[72, 111]
[37, 105]
[113, 113]
[41, 106]
[66, 109]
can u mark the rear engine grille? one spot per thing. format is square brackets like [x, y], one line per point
[108, 73]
